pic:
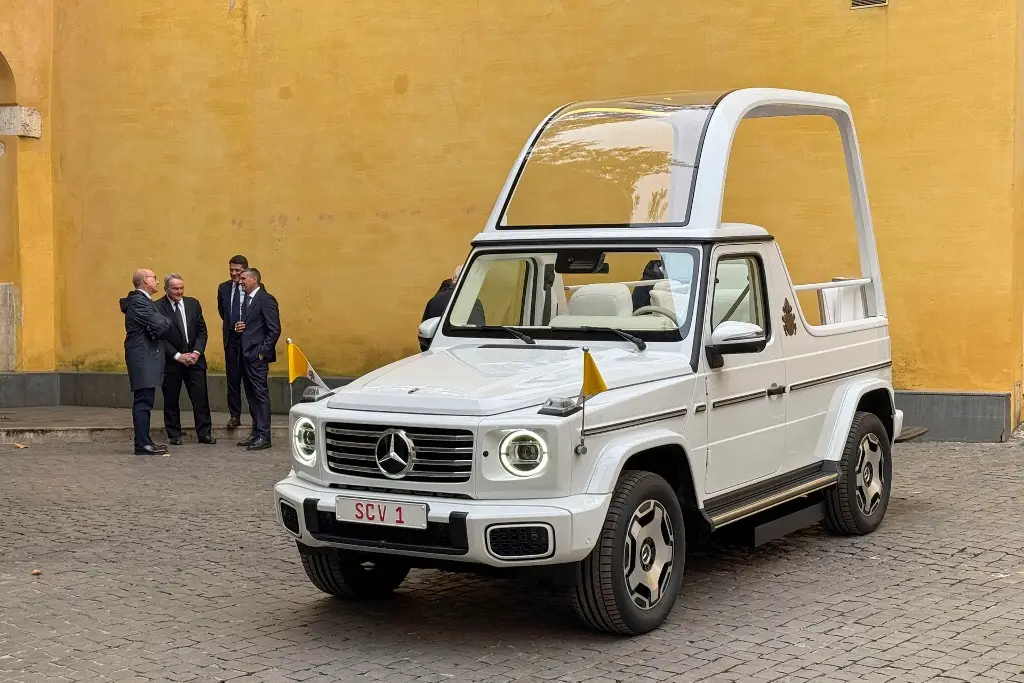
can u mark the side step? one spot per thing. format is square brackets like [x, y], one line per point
[911, 433]
[751, 500]
[776, 523]
[783, 526]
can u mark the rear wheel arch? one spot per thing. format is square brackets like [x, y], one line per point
[879, 402]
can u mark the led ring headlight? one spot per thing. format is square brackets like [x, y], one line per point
[304, 441]
[523, 453]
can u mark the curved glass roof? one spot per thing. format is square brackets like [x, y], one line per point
[615, 163]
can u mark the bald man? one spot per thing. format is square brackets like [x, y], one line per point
[145, 328]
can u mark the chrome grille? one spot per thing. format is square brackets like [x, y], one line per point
[442, 455]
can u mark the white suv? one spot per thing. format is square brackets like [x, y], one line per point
[723, 405]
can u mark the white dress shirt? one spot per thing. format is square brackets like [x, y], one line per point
[180, 306]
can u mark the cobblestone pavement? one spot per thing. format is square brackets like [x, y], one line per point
[174, 569]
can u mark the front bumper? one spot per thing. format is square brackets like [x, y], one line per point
[457, 528]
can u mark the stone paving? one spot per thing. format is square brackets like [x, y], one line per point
[173, 569]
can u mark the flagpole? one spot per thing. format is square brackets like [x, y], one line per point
[582, 448]
[291, 399]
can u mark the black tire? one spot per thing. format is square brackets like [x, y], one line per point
[600, 595]
[352, 576]
[844, 514]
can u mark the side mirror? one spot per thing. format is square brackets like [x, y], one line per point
[428, 328]
[734, 337]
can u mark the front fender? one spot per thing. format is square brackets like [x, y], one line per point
[841, 411]
[617, 451]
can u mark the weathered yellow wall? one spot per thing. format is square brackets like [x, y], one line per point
[26, 41]
[351, 149]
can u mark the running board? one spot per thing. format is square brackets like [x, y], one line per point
[776, 523]
[911, 433]
[750, 500]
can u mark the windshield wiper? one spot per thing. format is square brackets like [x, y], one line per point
[640, 343]
[511, 330]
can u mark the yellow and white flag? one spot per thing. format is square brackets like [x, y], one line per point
[593, 383]
[298, 366]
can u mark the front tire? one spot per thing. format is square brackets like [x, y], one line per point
[352, 576]
[857, 503]
[631, 579]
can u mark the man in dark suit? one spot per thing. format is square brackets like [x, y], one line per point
[258, 332]
[185, 352]
[435, 307]
[229, 305]
[144, 327]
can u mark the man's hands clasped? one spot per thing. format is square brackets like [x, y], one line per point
[189, 359]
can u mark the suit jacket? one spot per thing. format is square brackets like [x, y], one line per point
[144, 329]
[262, 328]
[197, 334]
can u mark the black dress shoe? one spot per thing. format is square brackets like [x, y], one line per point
[247, 441]
[175, 442]
[207, 440]
[258, 444]
[234, 422]
[149, 450]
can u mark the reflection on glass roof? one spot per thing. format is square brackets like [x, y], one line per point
[628, 162]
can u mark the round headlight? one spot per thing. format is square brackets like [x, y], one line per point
[304, 441]
[523, 453]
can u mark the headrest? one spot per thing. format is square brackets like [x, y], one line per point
[612, 299]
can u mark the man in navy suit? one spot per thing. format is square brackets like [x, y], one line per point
[258, 330]
[229, 305]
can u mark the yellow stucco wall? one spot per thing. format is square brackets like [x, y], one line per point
[352, 149]
[26, 42]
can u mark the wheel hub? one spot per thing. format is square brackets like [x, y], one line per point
[648, 554]
[870, 479]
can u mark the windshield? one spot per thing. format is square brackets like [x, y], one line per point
[623, 163]
[577, 293]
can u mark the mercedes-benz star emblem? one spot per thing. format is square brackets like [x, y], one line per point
[395, 453]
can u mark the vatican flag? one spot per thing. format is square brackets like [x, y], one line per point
[593, 383]
[298, 366]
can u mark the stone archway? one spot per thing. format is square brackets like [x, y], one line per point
[9, 257]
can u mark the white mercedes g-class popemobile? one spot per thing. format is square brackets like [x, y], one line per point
[718, 402]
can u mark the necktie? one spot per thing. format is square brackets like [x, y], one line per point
[236, 295]
[179, 310]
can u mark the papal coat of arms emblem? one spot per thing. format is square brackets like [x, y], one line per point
[788, 319]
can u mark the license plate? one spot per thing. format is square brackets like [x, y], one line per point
[381, 512]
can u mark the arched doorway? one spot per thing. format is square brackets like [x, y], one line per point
[8, 227]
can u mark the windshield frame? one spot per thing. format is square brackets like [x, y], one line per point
[710, 102]
[690, 329]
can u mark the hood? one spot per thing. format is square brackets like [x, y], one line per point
[486, 380]
[127, 299]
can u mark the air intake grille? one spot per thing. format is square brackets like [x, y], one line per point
[441, 455]
[513, 542]
[290, 516]
[857, 4]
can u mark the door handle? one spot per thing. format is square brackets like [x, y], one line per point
[776, 390]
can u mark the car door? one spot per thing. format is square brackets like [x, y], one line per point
[746, 396]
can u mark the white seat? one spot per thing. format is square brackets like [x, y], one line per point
[603, 299]
[842, 304]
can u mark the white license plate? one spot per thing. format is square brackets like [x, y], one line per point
[381, 512]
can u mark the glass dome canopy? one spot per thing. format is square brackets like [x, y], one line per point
[628, 162]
